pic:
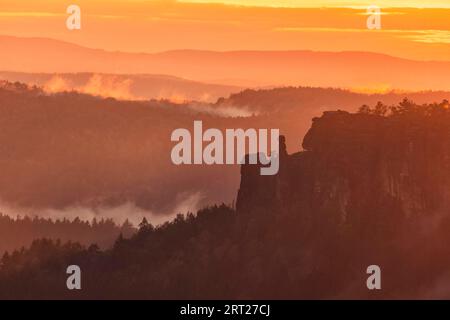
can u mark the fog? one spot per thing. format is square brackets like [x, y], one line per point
[119, 214]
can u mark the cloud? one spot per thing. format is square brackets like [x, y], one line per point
[35, 14]
[222, 111]
[430, 36]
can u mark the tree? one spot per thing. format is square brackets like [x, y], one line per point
[119, 241]
[380, 109]
[127, 229]
[365, 109]
[145, 225]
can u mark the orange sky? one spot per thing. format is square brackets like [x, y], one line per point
[331, 3]
[150, 26]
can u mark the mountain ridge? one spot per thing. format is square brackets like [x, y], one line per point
[263, 68]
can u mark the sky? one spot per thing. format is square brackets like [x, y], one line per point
[161, 25]
[331, 3]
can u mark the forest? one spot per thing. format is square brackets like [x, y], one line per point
[368, 188]
[21, 231]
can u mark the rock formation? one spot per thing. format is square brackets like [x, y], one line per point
[358, 167]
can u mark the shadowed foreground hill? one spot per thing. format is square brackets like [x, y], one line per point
[370, 188]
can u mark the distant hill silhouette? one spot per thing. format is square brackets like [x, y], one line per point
[324, 69]
[287, 99]
[369, 188]
[125, 86]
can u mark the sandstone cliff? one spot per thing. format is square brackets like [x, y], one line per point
[359, 167]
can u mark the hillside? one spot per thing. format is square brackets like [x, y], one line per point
[318, 100]
[20, 232]
[369, 188]
[125, 86]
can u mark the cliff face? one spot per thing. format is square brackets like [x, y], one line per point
[358, 168]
